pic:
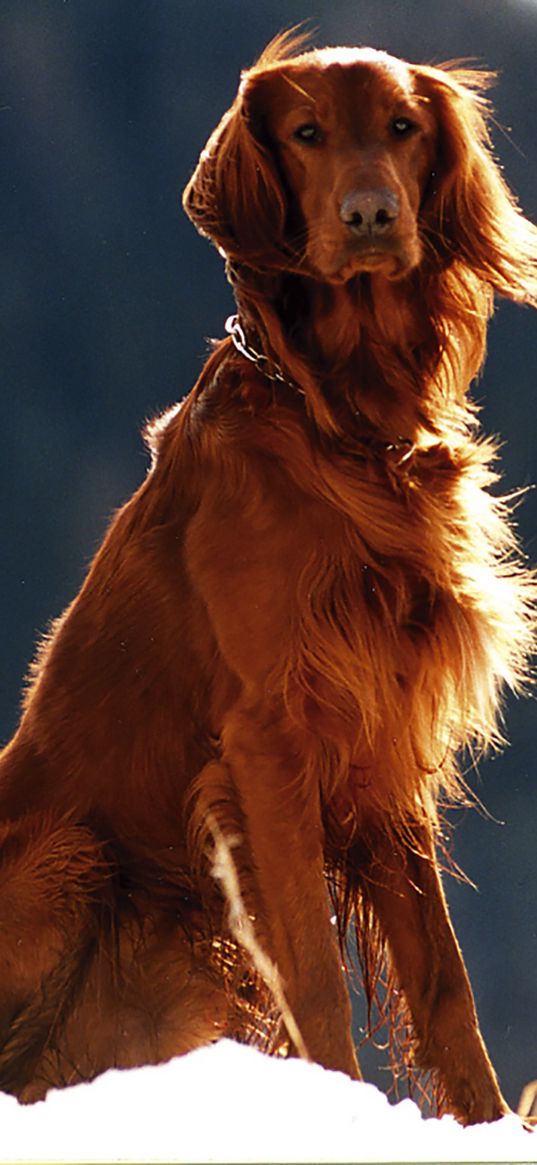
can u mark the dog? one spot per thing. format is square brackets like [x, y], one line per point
[298, 624]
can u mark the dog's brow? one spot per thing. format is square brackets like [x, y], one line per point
[294, 85]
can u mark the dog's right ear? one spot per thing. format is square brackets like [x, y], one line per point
[235, 196]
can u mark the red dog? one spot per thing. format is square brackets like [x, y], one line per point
[303, 615]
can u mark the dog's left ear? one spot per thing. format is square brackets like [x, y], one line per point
[469, 213]
[235, 196]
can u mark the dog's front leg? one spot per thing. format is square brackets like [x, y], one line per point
[283, 826]
[406, 892]
[245, 557]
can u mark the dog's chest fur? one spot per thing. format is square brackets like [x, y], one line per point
[389, 600]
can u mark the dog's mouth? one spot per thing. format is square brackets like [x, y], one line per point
[374, 260]
[393, 263]
[337, 258]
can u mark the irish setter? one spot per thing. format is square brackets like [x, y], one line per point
[299, 621]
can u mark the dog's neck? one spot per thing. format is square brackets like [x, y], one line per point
[342, 318]
[369, 346]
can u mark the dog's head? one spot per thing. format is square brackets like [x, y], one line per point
[334, 162]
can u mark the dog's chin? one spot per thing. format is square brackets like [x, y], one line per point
[392, 264]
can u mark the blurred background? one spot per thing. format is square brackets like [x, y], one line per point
[107, 297]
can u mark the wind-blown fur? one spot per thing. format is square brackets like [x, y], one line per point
[299, 623]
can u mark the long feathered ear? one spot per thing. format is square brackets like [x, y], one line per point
[469, 213]
[235, 196]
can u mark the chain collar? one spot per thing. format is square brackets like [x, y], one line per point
[402, 446]
[235, 329]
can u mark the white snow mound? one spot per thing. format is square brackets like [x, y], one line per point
[229, 1103]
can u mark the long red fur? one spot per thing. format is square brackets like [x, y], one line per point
[299, 623]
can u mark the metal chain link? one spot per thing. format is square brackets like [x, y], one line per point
[234, 329]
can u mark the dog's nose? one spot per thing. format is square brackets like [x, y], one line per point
[369, 212]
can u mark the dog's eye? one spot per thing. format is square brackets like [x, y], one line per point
[402, 126]
[309, 133]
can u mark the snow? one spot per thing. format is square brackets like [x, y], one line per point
[229, 1103]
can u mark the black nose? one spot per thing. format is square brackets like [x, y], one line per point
[369, 212]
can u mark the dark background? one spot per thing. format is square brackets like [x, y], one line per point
[107, 296]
